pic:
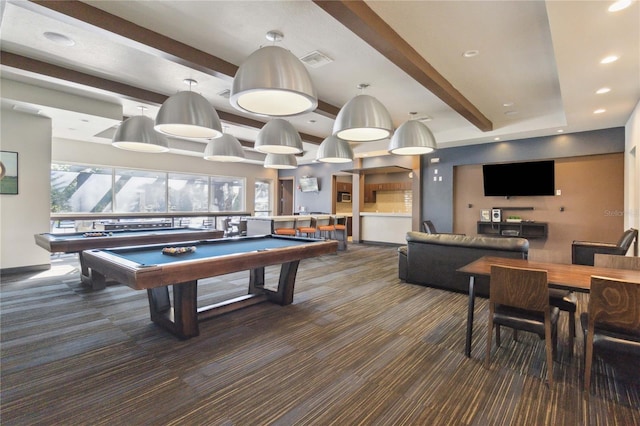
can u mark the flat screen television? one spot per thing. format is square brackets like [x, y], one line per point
[308, 184]
[533, 178]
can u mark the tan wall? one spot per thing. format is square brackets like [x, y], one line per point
[592, 195]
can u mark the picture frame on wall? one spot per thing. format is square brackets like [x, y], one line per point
[485, 215]
[8, 172]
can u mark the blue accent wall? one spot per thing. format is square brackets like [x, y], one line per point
[437, 197]
[314, 201]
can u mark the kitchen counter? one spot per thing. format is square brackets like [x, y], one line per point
[385, 214]
[385, 227]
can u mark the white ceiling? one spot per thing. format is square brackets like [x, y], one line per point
[539, 58]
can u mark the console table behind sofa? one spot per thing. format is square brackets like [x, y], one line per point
[432, 259]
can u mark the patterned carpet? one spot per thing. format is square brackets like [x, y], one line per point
[357, 347]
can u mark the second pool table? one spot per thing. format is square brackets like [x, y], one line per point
[76, 242]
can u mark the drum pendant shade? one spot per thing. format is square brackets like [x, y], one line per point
[278, 136]
[334, 150]
[273, 82]
[280, 161]
[226, 148]
[137, 134]
[188, 115]
[363, 119]
[412, 138]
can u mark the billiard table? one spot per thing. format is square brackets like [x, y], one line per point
[76, 242]
[148, 268]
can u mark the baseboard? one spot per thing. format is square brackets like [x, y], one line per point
[25, 269]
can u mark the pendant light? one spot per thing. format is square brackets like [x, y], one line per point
[226, 148]
[137, 134]
[278, 136]
[363, 119]
[273, 82]
[280, 161]
[334, 150]
[412, 138]
[188, 115]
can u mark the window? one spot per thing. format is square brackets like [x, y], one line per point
[188, 193]
[262, 200]
[227, 194]
[86, 189]
[81, 189]
[140, 191]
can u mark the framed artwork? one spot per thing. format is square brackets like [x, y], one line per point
[8, 172]
[485, 215]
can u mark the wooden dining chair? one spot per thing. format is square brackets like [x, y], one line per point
[519, 299]
[612, 320]
[616, 261]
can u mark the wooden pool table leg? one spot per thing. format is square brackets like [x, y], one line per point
[286, 283]
[95, 280]
[182, 319]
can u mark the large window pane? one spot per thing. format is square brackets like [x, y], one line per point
[262, 200]
[140, 191]
[227, 194]
[188, 193]
[80, 189]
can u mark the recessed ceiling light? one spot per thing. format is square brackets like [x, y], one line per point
[599, 111]
[58, 38]
[619, 5]
[609, 59]
[507, 104]
[560, 131]
[603, 90]
[496, 139]
[511, 113]
[471, 53]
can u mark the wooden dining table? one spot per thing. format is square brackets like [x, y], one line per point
[562, 276]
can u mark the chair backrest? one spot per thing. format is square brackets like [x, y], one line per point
[428, 228]
[615, 305]
[616, 261]
[629, 236]
[519, 287]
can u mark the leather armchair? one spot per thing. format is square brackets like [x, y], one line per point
[582, 252]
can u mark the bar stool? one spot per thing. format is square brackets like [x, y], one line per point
[324, 226]
[285, 226]
[340, 225]
[304, 226]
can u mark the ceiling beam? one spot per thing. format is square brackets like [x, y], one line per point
[96, 20]
[129, 92]
[366, 24]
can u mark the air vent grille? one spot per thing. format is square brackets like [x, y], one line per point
[316, 59]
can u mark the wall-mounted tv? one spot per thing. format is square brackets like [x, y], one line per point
[308, 184]
[531, 178]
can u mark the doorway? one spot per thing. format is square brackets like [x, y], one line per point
[285, 196]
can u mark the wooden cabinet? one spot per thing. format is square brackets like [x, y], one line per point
[528, 230]
[370, 189]
[344, 187]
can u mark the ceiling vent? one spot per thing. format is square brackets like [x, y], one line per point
[316, 59]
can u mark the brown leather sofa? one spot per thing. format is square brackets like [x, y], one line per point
[432, 260]
[582, 252]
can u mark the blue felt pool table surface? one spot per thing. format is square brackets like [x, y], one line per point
[152, 255]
